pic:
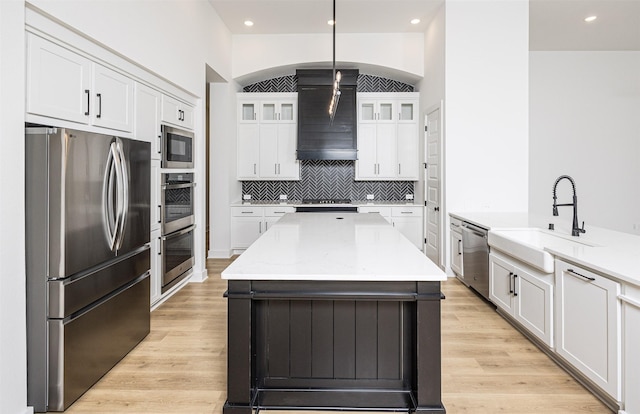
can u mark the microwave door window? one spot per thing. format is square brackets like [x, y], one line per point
[178, 147]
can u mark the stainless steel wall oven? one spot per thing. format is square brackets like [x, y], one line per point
[177, 148]
[177, 256]
[177, 193]
[177, 221]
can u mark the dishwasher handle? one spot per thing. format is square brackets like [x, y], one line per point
[477, 231]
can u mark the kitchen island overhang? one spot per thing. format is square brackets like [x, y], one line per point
[333, 311]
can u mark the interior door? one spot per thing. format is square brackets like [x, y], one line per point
[432, 183]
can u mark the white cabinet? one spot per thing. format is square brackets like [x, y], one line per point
[155, 203]
[267, 136]
[406, 219]
[113, 97]
[65, 85]
[248, 223]
[156, 267]
[630, 299]
[148, 102]
[176, 112]
[455, 247]
[524, 294]
[384, 211]
[387, 136]
[588, 325]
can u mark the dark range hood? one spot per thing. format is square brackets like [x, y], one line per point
[318, 139]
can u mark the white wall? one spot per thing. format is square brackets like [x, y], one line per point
[486, 105]
[225, 188]
[13, 374]
[584, 122]
[394, 54]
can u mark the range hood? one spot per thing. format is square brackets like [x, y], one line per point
[318, 138]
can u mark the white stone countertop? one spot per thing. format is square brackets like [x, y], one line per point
[614, 253]
[335, 247]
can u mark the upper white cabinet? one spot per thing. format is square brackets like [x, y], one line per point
[524, 294]
[65, 85]
[147, 124]
[267, 135]
[176, 112]
[588, 324]
[388, 136]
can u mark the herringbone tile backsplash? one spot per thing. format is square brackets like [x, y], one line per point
[328, 179]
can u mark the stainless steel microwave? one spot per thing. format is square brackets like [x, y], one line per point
[177, 148]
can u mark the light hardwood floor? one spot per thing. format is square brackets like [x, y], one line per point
[487, 366]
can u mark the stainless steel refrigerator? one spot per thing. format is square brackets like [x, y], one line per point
[87, 243]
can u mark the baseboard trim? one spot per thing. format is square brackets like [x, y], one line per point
[219, 254]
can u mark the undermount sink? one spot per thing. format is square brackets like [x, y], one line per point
[528, 245]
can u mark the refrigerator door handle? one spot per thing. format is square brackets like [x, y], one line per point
[123, 188]
[110, 217]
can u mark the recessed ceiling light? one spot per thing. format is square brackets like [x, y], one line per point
[415, 21]
[331, 22]
[590, 19]
[248, 23]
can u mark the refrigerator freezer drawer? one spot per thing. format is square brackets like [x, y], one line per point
[84, 348]
[70, 295]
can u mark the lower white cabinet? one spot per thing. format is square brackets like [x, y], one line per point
[523, 293]
[407, 219]
[455, 247]
[588, 319]
[248, 223]
[631, 349]
[156, 267]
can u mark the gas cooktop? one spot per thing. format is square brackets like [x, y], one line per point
[325, 201]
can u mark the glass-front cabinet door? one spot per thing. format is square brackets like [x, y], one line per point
[248, 112]
[406, 111]
[372, 110]
[278, 111]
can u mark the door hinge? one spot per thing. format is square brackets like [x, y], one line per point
[425, 203]
[425, 240]
[426, 128]
[426, 165]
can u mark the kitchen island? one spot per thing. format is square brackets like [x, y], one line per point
[333, 311]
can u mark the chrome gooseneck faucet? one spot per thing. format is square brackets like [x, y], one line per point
[575, 230]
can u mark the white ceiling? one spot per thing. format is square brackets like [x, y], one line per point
[554, 24]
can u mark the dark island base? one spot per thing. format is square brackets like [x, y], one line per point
[323, 345]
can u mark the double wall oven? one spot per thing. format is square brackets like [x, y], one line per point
[177, 207]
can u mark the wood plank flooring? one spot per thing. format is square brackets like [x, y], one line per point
[487, 366]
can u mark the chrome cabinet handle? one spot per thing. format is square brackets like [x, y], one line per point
[591, 279]
[260, 227]
[254, 168]
[399, 168]
[159, 144]
[159, 213]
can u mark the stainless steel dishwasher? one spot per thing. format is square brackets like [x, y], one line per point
[475, 258]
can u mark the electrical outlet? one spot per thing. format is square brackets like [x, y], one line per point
[409, 197]
[246, 197]
[369, 196]
[283, 197]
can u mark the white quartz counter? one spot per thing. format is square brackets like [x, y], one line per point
[613, 253]
[333, 246]
[356, 203]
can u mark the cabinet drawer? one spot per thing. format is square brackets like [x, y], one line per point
[248, 211]
[406, 211]
[455, 222]
[278, 211]
[383, 211]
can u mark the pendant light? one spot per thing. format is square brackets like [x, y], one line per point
[336, 76]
